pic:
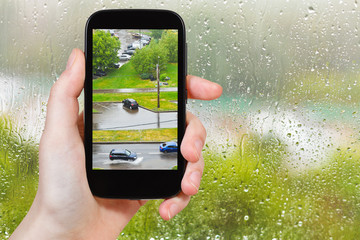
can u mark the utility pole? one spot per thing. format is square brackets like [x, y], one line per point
[158, 84]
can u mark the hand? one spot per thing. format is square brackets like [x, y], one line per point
[64, 207]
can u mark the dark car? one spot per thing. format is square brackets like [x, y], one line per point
[100, 73]
[168, 147]
[116, 65]
[122, 154]
[130, 103]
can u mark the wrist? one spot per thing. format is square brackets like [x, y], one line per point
[35, 225]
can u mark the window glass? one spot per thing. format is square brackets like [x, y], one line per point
[282, 153]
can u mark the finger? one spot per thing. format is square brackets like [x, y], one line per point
[191, 181]
[63, 107]
[194, 138]
[202, 89]
[170, 207]
[80, 123]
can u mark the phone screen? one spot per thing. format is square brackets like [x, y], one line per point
[135, 99]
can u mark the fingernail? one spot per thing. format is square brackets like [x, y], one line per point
[71, 59]
[173, 210]
[198, 147]
[195, 179]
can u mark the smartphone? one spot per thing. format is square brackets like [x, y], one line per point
[135, 100]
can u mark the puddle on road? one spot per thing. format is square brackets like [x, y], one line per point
[117, 161]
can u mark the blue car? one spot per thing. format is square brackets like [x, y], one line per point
[168, 147]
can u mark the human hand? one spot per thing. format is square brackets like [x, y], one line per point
[64, 207]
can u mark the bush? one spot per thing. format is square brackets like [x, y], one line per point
[162, 77]
[145, 76]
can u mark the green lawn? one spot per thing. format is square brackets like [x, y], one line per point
[147, 100]
[127, 77]
[157, 135]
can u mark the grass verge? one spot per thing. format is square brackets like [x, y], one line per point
[147, 100]
[127, 77]
[146, 135]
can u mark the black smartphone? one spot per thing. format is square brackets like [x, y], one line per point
[135, 100]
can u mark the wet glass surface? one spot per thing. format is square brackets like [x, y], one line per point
[282, 154]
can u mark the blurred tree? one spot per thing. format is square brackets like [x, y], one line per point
[156, 33]
[145, 59]
[105, 50]
[169, 40]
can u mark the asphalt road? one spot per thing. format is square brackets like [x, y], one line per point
[149, 157]
[113, 116]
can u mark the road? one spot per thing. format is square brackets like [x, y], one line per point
[113, 116]
[149, 157]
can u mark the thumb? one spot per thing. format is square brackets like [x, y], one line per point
[63, 107]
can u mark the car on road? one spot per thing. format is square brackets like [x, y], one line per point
[168, 147]
[131, 104]
[125, 57]
[122, 154]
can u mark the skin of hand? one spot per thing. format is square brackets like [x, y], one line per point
[64, 207]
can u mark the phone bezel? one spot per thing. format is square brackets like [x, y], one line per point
[134, 184]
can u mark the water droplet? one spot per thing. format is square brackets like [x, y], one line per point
[311, 10]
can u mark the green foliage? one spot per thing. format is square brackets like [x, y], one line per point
[18, 174]
[145, 60]
[145, 76]
[156, 33]
[105, 50]
[169, 40]
[162, 77]
[248, 193]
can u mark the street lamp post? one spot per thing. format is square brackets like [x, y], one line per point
[158, 85]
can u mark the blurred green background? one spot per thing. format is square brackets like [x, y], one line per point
[282, 153]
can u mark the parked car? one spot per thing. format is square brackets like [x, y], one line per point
[124, 57]
[136, 35]
[168, 147]
[122, 154]
[100, 73]
[129, 52]
[144, 42]
[131, 104]
[116, 65]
